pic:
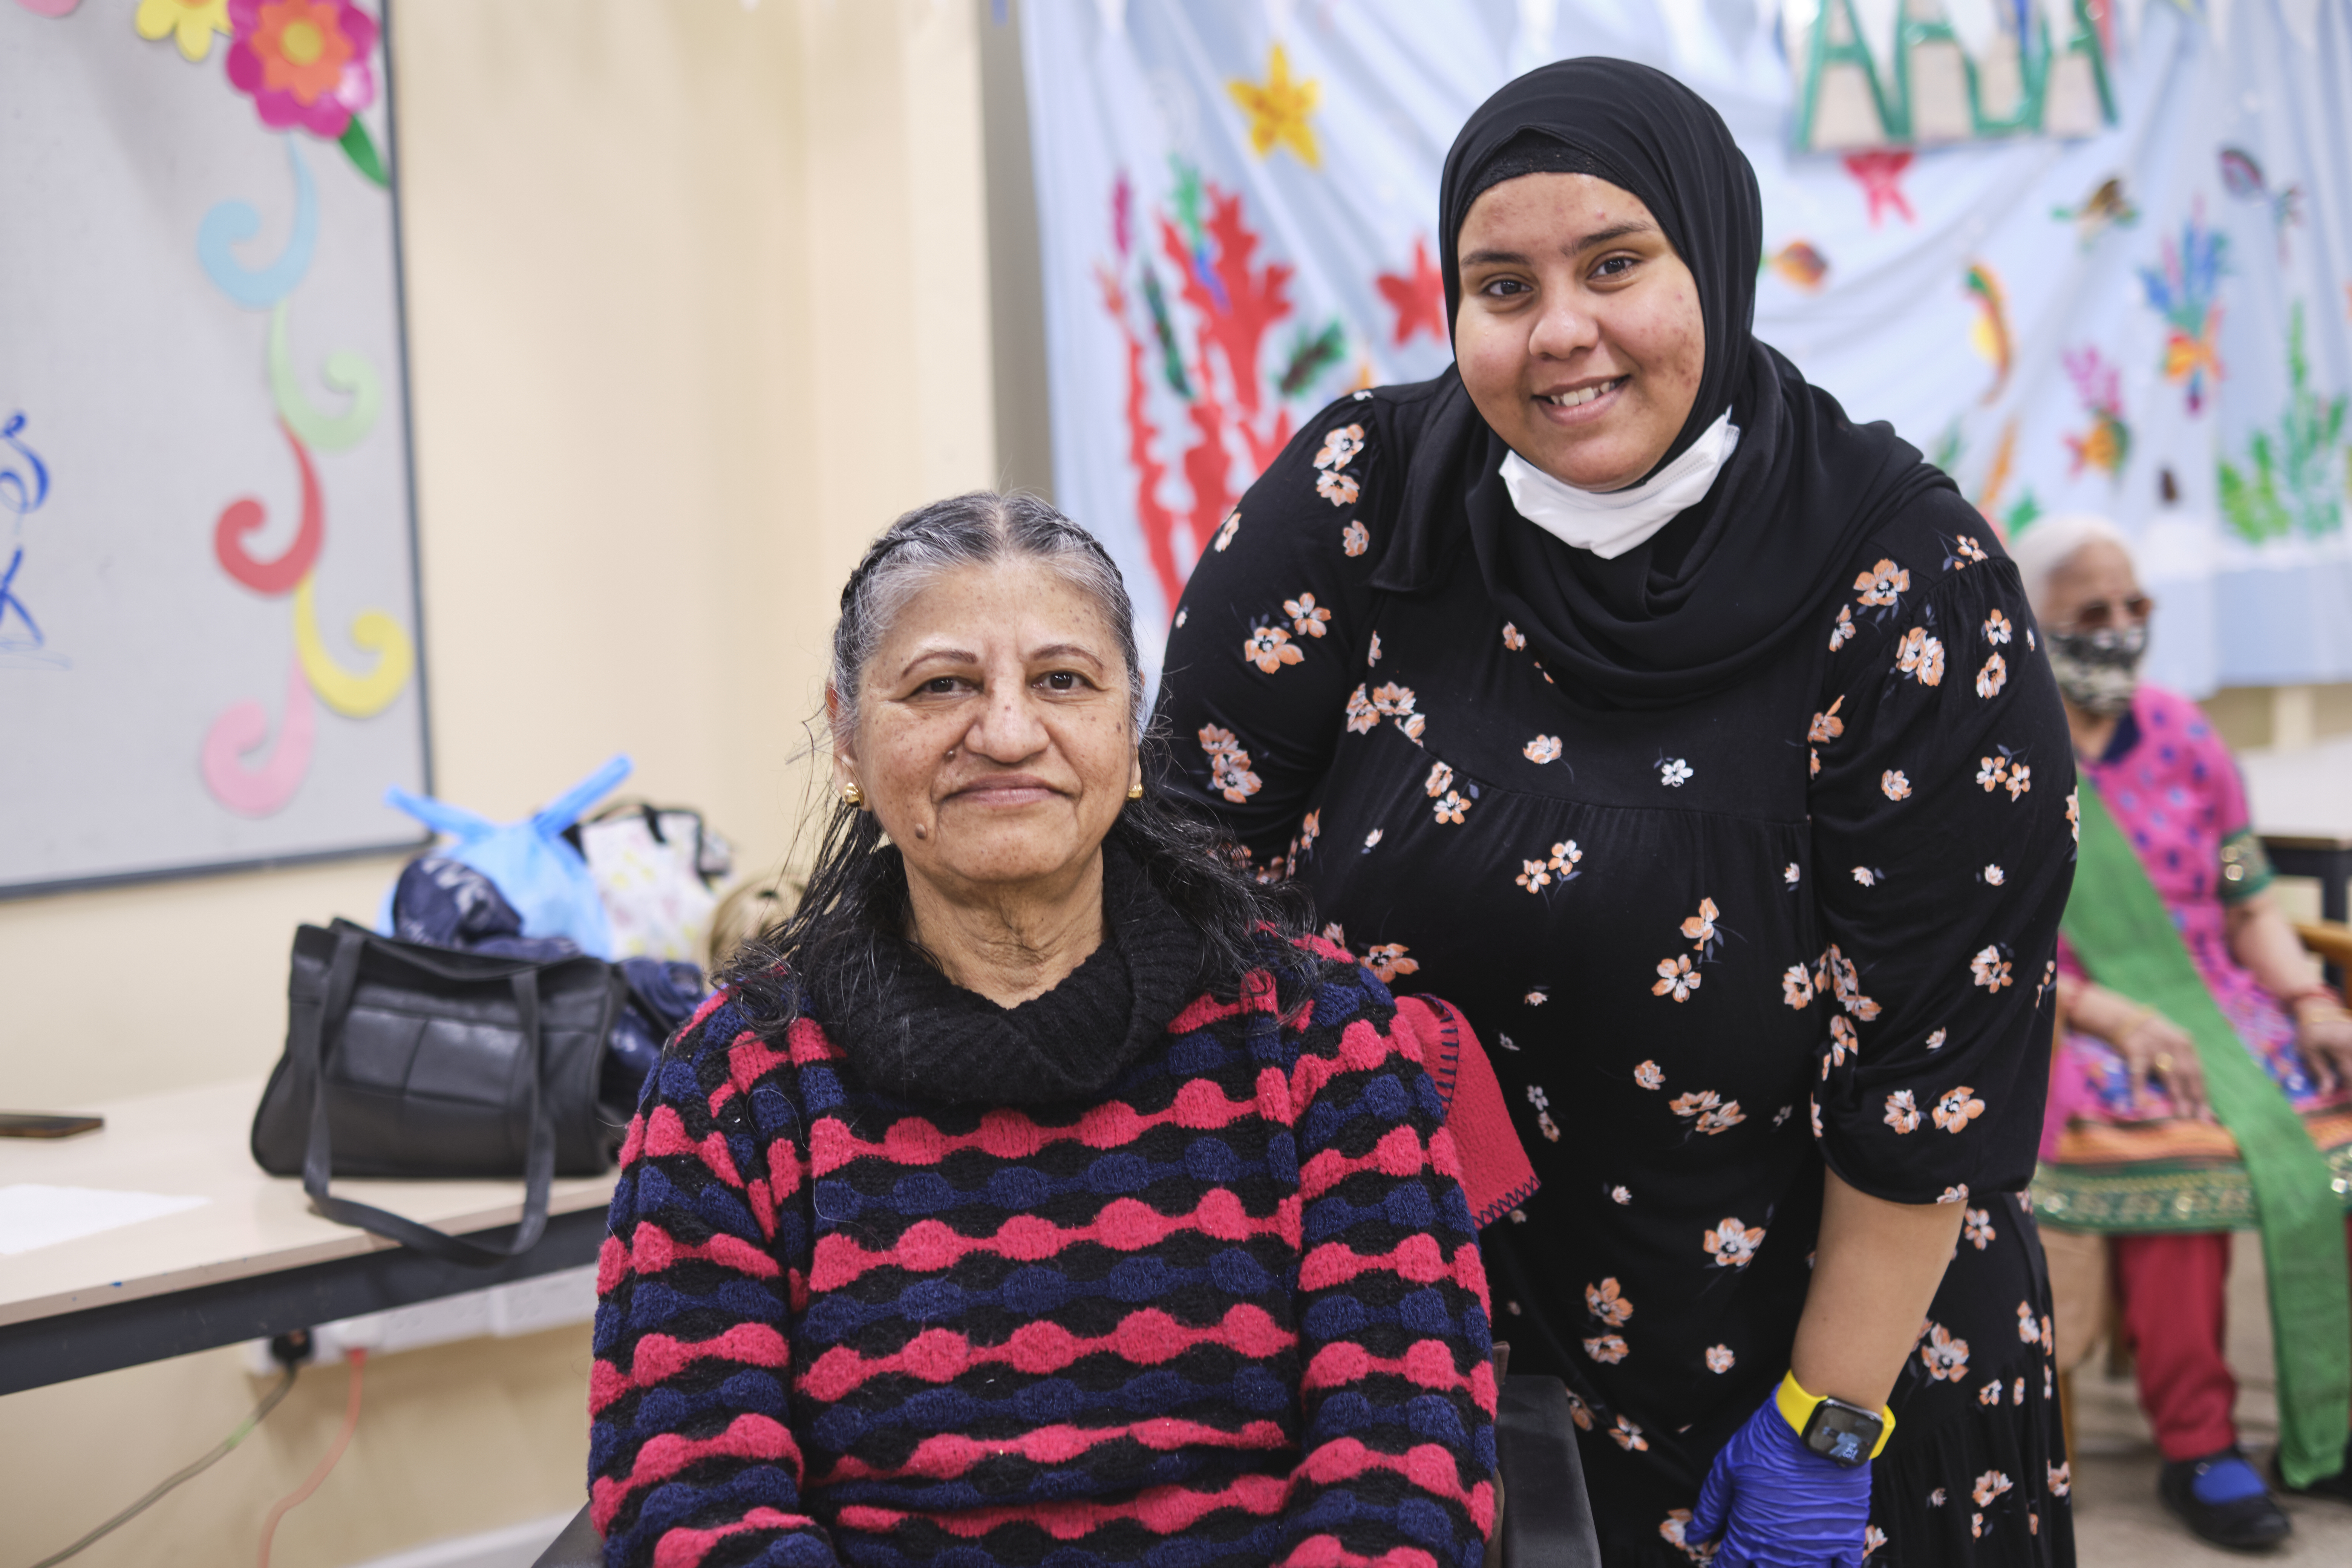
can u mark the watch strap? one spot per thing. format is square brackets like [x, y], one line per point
[1797, 1409]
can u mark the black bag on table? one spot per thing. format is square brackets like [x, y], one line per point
[408, 1060]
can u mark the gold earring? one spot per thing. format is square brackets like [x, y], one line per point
[1134, 792]
[852, 796]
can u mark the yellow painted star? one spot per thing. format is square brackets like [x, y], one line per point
[1278, 110]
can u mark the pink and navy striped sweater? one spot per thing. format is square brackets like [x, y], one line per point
[1232, 1313]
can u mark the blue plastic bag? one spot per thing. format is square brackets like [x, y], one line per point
[541, 876]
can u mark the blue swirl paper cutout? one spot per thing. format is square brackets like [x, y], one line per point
[230, 222]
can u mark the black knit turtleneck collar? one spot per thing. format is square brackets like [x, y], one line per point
[919, 1034]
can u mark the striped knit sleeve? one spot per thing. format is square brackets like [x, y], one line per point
[1399, 1391]
[690, 1454]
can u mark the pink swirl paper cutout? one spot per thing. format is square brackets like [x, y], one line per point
[264, 788]
[245, 514]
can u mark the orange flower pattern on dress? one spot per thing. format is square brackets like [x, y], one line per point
[1544, 1123]
[2020, 779]
[1513, 638]
[1997, 628]
[1270, 648]
[1827, 726]
[1989, 1485]
[1975, 1228]
[1733, 1245]
[1946, 1358]
[1355, 539]
[1882, 584]
[1627, 1436]
[1649, 1074]
[1362, 717]
[1339, 490]
[1564, 857]
[1958, 1108]
[1993, 677]
[1901, 1111]
[1920, 657]
[1965, 550]
[1676, 978]
[1843, 633]
[1229, 766]
[1720, 1359]
[1372, 656]
[1607, 1302]
[1534, 876]
[1340, 447]
[1226, 534]
[1797, 986]
[1308, 618]
[1608, 1349]
[1988, 969]
[1844, 1043]
[1450, 807]
[2029, 1326]
[1542, 749]
[1388, 959]
[1700, 929]
[1893, 785]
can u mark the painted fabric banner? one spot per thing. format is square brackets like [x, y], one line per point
[2152, 320]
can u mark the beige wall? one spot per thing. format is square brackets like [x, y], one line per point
[697, 301]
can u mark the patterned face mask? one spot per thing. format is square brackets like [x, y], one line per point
[2098, 671]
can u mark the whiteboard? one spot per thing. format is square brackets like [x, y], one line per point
[209, 639]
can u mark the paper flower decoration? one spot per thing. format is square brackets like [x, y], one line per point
[190, 22]
[304, 62]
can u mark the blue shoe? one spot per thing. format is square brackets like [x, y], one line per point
[2223, 1500]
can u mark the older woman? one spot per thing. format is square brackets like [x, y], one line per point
[2207, 1080]
[1029, 1197]
[1693, 739]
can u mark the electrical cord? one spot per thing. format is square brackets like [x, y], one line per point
[243, 1429]
[296, 1498]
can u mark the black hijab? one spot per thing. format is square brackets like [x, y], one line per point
[1731, 578]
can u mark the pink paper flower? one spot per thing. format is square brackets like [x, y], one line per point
[303, 62]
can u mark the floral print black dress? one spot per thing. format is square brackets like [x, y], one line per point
[1810, 917]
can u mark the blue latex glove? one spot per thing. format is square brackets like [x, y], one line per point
[1778, 1504]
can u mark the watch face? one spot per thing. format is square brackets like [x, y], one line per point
[1842, 1434]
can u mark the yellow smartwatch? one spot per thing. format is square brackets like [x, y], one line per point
[1841, 1432]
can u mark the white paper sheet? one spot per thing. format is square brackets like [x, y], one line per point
[35, 1216]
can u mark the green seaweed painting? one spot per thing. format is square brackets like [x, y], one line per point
[2292, 481]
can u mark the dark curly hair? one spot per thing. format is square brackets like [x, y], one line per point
[856, 894]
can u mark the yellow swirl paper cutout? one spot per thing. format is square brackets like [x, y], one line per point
[353, 696]
[345, 370]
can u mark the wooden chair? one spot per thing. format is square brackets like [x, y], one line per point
[2081, 1297]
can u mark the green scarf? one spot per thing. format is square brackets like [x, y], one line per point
[2127, 939]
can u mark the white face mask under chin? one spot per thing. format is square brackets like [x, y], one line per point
[1611, 523]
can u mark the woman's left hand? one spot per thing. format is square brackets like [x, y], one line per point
[2324, 1032]
[1778, 1504]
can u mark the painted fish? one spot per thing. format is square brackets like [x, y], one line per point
[2104, 207]
[2242, 178]
[1800, 264]
[1991, 334]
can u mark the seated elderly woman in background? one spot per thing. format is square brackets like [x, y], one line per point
[2207, 1078]
[1029, 1193]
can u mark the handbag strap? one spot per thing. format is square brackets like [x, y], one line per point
[318, 1159]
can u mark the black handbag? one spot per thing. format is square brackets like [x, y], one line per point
[408, 1060]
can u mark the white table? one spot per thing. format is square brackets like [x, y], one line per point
[253, 1260]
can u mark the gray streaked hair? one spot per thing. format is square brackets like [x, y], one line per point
[2042, 550]
[980, 527]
